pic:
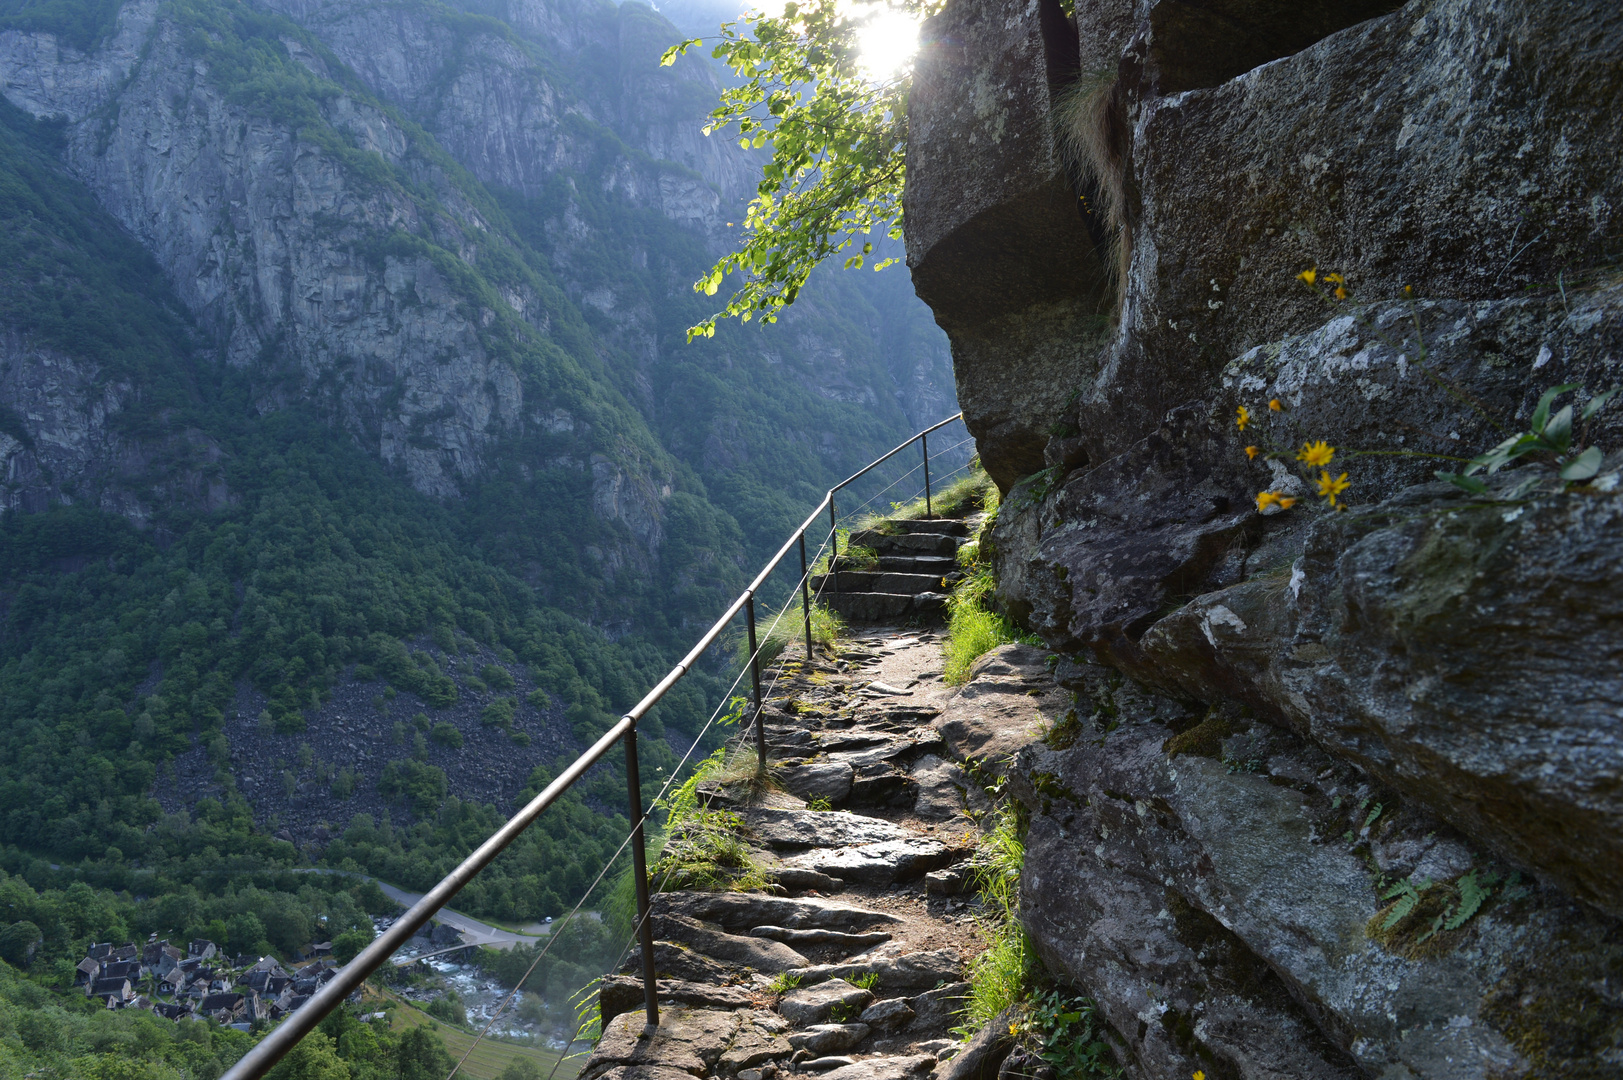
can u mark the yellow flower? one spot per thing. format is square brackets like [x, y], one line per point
[1014, 1029]
[1408, 290]
[1275, 406]
[1265, 499]
[1318, 453]
[1251, 452]
[1309, 276]
[1242, 417]
[1199, 1075]
[1335, 279]
[1330, 488]
[1341, 292]
[1285, 501]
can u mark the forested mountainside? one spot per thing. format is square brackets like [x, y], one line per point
[354, 460]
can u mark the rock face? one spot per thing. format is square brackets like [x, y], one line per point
[456, 237]
[1222, 886]
[1400, 640]
[1387, 152]
[1304, 739]
[996, 242]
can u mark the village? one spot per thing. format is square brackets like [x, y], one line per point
[201, 982]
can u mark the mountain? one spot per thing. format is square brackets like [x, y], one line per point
[354, 457]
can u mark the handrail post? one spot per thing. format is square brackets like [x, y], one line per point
[755, 680]
[639, 869]
[833, 543]
[805, 598]
[928, 512]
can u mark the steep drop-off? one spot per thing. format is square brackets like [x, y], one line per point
[343, 386]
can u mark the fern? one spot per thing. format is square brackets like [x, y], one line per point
[1474, 892]
[1407, 894]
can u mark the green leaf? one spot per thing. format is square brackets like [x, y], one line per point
[1584, 466]
[668, 57]
[1541, 412]
[1466, 483]
[1558, 432]
[1593, 405]
[1473, 891]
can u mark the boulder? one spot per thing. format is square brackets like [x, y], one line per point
[796, 829]
[883, 1068]
[881, 863]
[797, 879]
[744, 911]
[891, 1013]
[1007, 701]
[758, 1042]
[984, 1053]
[1295, 168]
[620, 993]
[752, 952]
[642, 1072]
[822, 1039]
[939, 789]
[912, 971]
[815, 1004]
[939, 1008]
[822, 779]
[687, 1041]
[821, 937]
[1400, 640]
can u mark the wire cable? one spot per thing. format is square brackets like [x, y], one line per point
[609, 863]
[636, 928]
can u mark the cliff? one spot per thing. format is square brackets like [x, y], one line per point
[343, 343]
[467, 238]
[1303, 739]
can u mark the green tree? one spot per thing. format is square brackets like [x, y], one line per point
[18, 942]
[346, 946]
[313, 1057]
[244, 933]
[421, 1056]
[837, 137]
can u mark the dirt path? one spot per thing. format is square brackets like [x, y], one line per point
[852, 963]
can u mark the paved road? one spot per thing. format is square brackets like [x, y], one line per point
[473, 931]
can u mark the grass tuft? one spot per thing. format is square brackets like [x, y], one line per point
[973, 630]
[1007, 970]
[970, 493]
[791, 630]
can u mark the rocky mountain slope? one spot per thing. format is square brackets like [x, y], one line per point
[343, 344]
[1340, 797]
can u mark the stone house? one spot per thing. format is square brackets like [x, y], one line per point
[115, 991]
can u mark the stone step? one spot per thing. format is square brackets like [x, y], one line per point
[944, 526]
[941, 565]
[877, 607]
[906, 543]
[882, 582]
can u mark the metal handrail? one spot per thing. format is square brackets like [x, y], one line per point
[269, 1050]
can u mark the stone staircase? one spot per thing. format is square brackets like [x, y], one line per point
[917, 565]
[848, 962]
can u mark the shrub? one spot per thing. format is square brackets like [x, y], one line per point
[420, 784]
[348, 945]
[447, 735]
[499, 713]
